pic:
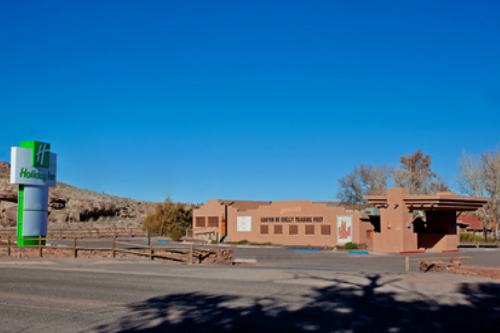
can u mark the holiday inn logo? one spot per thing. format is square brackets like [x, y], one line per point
[40, 153]
[34, 174]
[32, 163]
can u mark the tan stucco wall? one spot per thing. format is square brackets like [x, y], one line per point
[396, 233]
[286, 209]
[211, 208]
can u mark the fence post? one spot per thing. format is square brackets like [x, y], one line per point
[39, 245]
[190, 259]
[8, 246]
[75, 250]
[407, 264]
[114, 247]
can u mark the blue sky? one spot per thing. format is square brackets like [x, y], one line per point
[247, 100]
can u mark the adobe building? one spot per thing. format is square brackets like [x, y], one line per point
[303, 223]
[397, 222]
[404, 223]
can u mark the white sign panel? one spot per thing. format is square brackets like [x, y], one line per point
[34, 223]
[23, 172]
[243, 223]
[344, 229]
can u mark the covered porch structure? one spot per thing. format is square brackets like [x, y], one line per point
[403, 222]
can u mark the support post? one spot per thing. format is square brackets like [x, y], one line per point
[39, 246]
[8, 246]
[114, 247]
[190, 259]
[407, 264]
[75, 250]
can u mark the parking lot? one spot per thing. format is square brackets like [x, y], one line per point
[311, 258]
[341, 261]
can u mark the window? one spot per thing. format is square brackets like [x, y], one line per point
[278, 229]
[309, 229]
[264, 229]
[326, 229]
[199, 221]
[293, 229]
[213, 221]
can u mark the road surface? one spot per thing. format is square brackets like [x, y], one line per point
[68, 295]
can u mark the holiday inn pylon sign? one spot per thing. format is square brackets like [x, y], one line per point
[33, 168]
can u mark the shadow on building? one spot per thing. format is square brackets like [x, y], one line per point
[352, 307]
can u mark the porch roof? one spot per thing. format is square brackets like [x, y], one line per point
[439, 201]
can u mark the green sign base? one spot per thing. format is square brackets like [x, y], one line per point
[30, 242]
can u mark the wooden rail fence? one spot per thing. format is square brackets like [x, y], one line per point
[188, 254]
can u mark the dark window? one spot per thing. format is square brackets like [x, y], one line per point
[326, 230]
[375, 221]
[438, 222]
[200, 221]
[264, 229]
[309, 229]
[213, 221]
[278, 229]
[293, 229]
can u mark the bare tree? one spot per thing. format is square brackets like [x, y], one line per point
[481, 177]
[360, 181]
[350, 189]
[373, 179]
[438, 185]
[416, 175]
[470, 181]
[170, 219]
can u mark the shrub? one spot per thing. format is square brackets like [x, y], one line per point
[246, 242]
[467, 236]
[169, 219]
[351, 246]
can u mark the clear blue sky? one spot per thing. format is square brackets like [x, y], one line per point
[257, 99]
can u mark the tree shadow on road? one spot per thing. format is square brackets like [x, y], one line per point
[345, 306]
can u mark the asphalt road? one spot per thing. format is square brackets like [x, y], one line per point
[68, 295]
